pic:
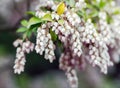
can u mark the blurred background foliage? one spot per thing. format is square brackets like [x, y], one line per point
[39, 73]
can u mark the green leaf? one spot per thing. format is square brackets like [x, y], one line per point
[109, 19]
[102, 3]
[47, 17]
[24, 23]
[33, 21]
[53, 35]
[34, 28]
[30, 13]
[29, 33]
[80, 13]
[117, 11]
[61, 22]
[89, 6]
[94, 14]
[96, 6]
[22, 29]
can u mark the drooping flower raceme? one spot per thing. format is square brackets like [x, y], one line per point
[86, 34]
[22, 48]
[45, 43]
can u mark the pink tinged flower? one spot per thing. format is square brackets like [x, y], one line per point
[19, 62]
[17, 42]
[25, 47]
[72, 78]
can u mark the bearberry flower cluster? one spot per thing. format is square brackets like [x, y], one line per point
[104, 29]
[22, 48]
[85, 37]
[45, 43]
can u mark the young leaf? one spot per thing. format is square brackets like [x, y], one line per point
[117, 11]
[94, 14]
[29, 33]
[33, 21]
[47, 17]
[82, 13]
[61, 22]
[53, 35]
[24, 23]
[22, 29]
[30, 13]
[102, 3]
[61, 8]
